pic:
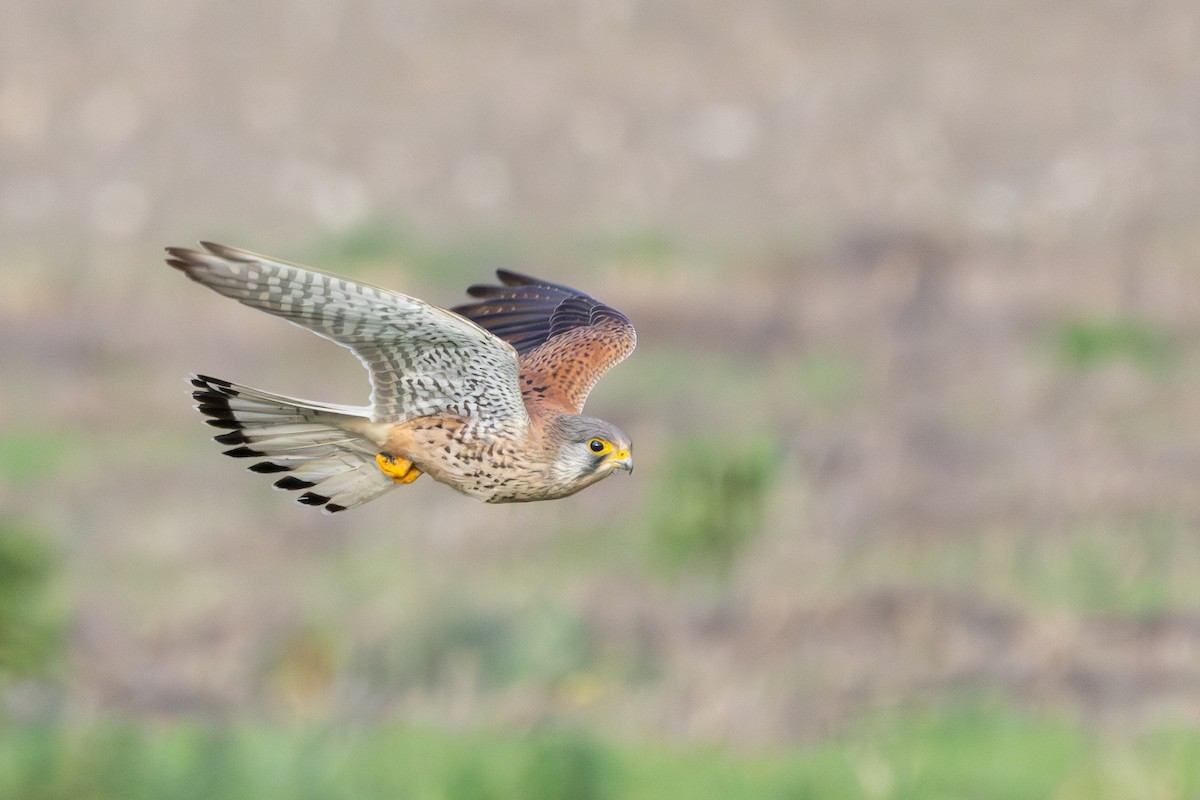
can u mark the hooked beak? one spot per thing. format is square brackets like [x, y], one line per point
[622, 459]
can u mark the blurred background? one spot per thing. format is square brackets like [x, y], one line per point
[916, 401]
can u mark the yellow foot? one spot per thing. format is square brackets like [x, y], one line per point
[398, 469]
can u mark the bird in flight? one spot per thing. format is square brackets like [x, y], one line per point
[485, 397]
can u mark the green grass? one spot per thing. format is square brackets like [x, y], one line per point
[827, 380]
[1133, 567]
[710, 503]
[650, 249]
[537, 643]
[730, 387]
[382, 240]
[972, 751]
[27, 456]
[1092, 343]
[31, 618]
[467, 259]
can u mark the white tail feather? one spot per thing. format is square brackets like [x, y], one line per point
[319, 446]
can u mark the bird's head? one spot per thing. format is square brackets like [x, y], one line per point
[589, 449]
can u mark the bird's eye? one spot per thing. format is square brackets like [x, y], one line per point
[599, 446]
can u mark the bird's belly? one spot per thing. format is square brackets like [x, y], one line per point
[495, 482]
[486, 465]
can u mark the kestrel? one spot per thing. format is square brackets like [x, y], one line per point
[485, 397]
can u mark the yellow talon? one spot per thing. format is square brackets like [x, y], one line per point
[398, 469]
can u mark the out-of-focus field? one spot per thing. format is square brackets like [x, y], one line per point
[916, 403]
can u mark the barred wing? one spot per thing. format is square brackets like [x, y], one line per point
[422, 359]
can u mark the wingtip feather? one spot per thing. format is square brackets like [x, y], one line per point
[228, 253]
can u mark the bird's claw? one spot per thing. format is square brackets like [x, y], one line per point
[398, 469]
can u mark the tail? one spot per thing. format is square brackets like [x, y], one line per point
[314, 443]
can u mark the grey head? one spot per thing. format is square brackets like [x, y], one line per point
[588, 449]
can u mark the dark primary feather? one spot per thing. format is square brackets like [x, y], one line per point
[526, 312]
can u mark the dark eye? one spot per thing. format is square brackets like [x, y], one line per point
[597, 446]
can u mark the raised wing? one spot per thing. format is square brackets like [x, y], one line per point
[422, 359]
[567, 340]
